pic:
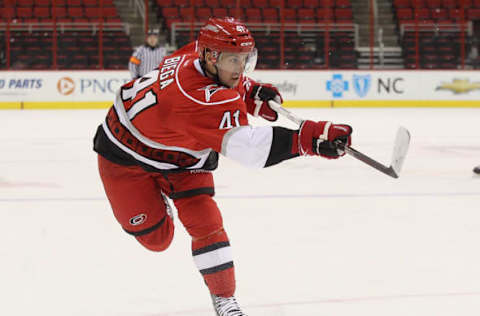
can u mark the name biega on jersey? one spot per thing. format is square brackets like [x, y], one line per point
[167, 71]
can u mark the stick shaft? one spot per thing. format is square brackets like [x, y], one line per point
[349, 150]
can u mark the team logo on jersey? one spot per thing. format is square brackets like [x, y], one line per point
[362, 84]
[65, 85]
[138, 220]
[210, 90]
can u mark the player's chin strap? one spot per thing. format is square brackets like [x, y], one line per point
[400, 147]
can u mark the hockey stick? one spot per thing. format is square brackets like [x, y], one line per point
[400, 147]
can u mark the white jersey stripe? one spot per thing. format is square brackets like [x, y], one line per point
[192, 98]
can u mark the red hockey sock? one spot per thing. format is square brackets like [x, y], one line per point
[213, 257]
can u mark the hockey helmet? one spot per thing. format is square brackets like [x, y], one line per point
[230, 36]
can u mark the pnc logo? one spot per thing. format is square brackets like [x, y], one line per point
[65, 85]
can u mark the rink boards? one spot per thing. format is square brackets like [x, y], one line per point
[300, 88]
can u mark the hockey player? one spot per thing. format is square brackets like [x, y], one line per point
[163, 135]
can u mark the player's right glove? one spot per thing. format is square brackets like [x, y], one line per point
[317, 138]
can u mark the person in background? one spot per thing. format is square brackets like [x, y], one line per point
[148, 56]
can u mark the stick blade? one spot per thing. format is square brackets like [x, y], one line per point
[400, 149]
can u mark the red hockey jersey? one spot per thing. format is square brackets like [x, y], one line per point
[177, 118]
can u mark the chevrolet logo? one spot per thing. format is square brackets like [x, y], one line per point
[459, 86]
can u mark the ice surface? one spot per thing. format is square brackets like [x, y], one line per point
[310, 236]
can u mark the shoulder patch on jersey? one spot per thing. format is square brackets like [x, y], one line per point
[199, 88]
[210, 90]
[223, 94]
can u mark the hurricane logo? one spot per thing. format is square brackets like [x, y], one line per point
[138, 220]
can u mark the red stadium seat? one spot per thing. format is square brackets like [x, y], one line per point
[165, 3]
[306, 15]
[327, 3]
[294, 3]
[476, 4]
[170, 13]
[110, 12]
[41, 12]
[343, 15]
[203, 14]
[456, 14]
[42, 3]
[434, 4]
[439, 14]
[270, 15]
[92, 12]
[197, 3]
[290, 15]
[229, 3]
[450, 4]
[324, 15]
[212, 3]
[219, 12]
[474, 14]
[24, 12]
[275, 3]
[91, 3]
[253, 15]
[187, 14]
[418, 3]
[421, 13]
[24, 3]
[311, 4]
[237, 13]
[170, 21]
[75, 12]
[343, 4]
[8, 12]
[400, 4]
[74, 3]
[260, 3]
[181, 3]
[405, 14]
[60, 12]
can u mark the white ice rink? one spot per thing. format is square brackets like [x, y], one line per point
[311, 237]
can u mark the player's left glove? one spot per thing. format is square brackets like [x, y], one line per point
[318, 138]
[257, 101]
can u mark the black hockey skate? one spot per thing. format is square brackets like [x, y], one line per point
[226, 306]
[476, 170]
